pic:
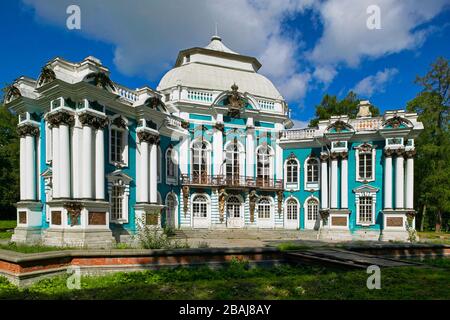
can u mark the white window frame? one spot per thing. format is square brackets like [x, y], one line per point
[124, 132]
[269, 204]
[337, 149]
[369, 194]
[307, 206]
[240, 154]
[292, 186]
[297, 207]
[171, 180]
[48, 143]
[208, 156]
[238, 203]
[357, 155]
[311, 185]
[112, 180]
[271, 160]
[208, 205]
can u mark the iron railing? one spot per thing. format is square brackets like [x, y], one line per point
[231, 182]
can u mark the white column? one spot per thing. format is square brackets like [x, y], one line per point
[22, 175]
[87, 190]
[99, 165]
[344, 183]
[64, 161]
[144, 172]
[30, 167]
[217, 151]
[153, 173]
[399, 182]
[184, 155]
[76, 159]
[250, 152]
[334, 183]
[324, 184]
[278, 153]
[55, 162]
[388, 181]
[410, 182]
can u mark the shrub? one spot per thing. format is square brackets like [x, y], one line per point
[150, 237]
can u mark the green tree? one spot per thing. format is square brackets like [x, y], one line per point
[331, 106]
[432, 174]
[9, 163]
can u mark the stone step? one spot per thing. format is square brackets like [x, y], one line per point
[246, 234]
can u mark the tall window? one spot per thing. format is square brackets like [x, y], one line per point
[263, 166]
[200, 160]
[292, 209]
[200, 206]
[312, 209]
[234, 207]
[232, 161]
[117, 145]
[365, 165]
[292, 171]
[171, 171]
[365, 210]
[312, 171]
[117, 197]
[264, 209]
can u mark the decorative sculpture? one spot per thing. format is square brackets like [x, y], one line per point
[280, 202]
[235, 102]
[47, 76]
[74, 211]
[223, 195]
[185, 191]
[253, 197]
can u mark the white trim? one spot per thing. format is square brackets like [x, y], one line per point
[366, 191]
[240, 222]
[271, 160]
[125, 133]
[208, 155]
[266, 222]
[305, 213]
[175, 213]
[202, 222]
[241, 152]
[288, 225]
[287, 185]
[171, 180]
[311, 185]
[159, 164]
[113, 177]
[374, 152]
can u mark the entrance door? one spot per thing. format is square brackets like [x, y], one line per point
[235, 216]
[200, 212]
[312, 220]
[292, 221]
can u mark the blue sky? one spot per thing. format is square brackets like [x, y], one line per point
[308, 48]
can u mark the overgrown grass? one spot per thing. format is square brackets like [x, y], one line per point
[23, 248]
[6, 235]
[7, 224]
[434, 237]
[240, 281]
[286, 246]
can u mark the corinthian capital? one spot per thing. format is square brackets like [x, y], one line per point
[94, 121]
[149, 137]
[60, 117]
[410, 153]
[27, 130]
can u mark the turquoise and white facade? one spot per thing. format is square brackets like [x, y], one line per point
[211, 147]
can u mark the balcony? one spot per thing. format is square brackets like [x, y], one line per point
[232, 182]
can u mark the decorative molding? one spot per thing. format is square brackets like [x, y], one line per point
[395, 122]
[145, 136]
[324, 156]
[185, 191]
[47, 76]
[219, 126]
[280, 202]
[223, 196]
[74, 211]
[60, 117]
[27, 130]
[388, 152]
[410, 153]
[119, 122]
[91, 120]
[252, 197]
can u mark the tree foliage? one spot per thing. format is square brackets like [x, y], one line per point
[432, 165]
[9, 163]
[331, 106]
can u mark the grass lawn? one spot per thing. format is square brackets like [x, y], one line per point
[31, 248]
[7, 225]
[434, 237]
[238, 281]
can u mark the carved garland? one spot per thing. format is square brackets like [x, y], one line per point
[74, 211]
[185, 191]
[395, 122]
[280, 202]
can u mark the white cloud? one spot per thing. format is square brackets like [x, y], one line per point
[375, 83]
[346, 40]
[300, 124]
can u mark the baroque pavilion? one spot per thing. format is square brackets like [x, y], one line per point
[211, 147]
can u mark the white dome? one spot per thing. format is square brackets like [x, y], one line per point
[216, 67]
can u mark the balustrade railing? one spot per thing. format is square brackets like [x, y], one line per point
[231, 181]
[298, 134]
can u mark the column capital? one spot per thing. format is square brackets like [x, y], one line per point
[409, 154]
[388, 152]
[145, 136]
[27, 130]
[219, 126]
[324, 156]
[334, 155]
[400, 152]
[60, 117]
[93, 121]
[344, 155]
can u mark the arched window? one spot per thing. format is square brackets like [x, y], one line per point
[118, 142]
[292, 171]
[200, 206]
[264, 208]
[171, 204]
[312, 171]
[200, 161]
[171, 168]
[312, 209]
[232, 161]
[263, 165]
[233, 207]
[292, 209]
